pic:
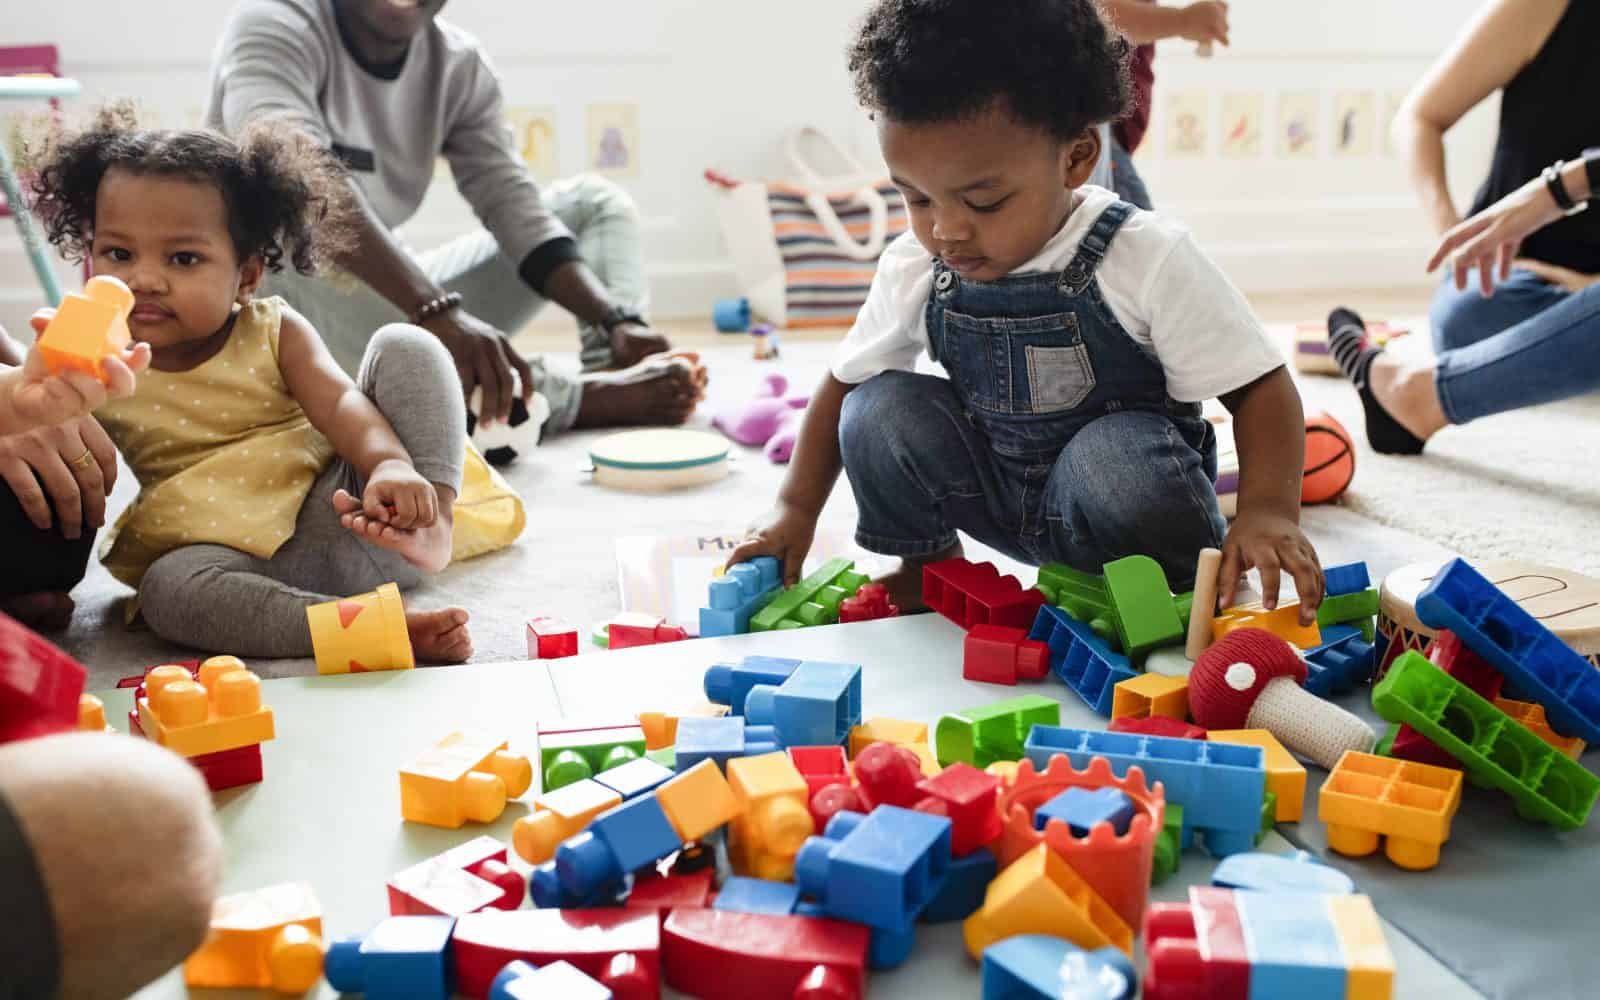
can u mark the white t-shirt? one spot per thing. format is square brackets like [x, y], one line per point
[1169, 297]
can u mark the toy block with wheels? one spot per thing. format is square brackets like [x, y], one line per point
[525, 981]
[635, 628]
[1409, 805]
[88, 327]
[1545, 785]
[551, 639]
[1081, 595]
[1143, 612]
[998, 654]
[402, 958]
[220, 709]
[1297, 871]
[39, 684]
[268, 938]
[1044, 967]
[976, 594]
[573, 755]
[363, 633]
[1286, 777]
[465, 776]
[813, 601]
[1040, 893]
[1082, 660]
[1231, 944]
[870, 603]
[724, 955]
[729, 684]
[774, 819]
[731, 599]
[997, 731]
[1151, 695]
[1221, 786]
[618, 948]
[464, 879]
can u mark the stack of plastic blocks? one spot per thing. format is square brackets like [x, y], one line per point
[732, 599]
[813, 601]
[212, 715]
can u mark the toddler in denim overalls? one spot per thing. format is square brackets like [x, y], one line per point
[1078, 334]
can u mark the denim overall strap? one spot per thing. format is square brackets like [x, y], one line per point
[1080, 271]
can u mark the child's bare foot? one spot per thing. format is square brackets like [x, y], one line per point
[439, 636]
[905, 582]
[662, 390]
[428, 548]
[45, 611]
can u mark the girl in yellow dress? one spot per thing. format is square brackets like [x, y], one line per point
[268, 480]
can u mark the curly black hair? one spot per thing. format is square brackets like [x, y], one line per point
[1055, 64]
[287, 199]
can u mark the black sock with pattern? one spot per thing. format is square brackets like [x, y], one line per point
[1347, 342]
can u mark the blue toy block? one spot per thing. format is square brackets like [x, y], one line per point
[634, 778]
[1293, 946]
[1082, 810]
[1351, 578]
[1297, 871]
[728, 684]
[403, 958]
[816, 706]
[887, 949]
[1344, 660]
[708, 738]
[880, 870]
[738, 594]
[1221, 786]
[1040, 967]
[1539, 665]
[961, 893]
[1082, 660]
[619, 841]
[544, 888]
[755, 895]
[526, 981]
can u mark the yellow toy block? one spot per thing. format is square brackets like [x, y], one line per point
[220, 711]
[1286, 777]
[775, 820]
[1282, 621]
[1369, 965]
[882, 730]
[269, 938]
[355, 635]
[465, 776]
[698, 801]
[92, 714]
[1531, 715]
[1410, 804]
[558, 815]
[1151, 694]
[1040, 893]
[1005, 770]
[661, 729]
[88, 327]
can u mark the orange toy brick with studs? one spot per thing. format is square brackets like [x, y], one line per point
[1150, 695]
[266, 938]
[88, 327]
[464, 776]
[218, 709]
[1117, 867]
[1409, 804]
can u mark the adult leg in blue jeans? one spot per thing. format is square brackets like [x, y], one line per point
[1462, 317]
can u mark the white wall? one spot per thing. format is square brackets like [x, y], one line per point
[719, 81]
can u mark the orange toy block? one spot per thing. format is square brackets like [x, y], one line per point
[775, 819]
[1283, 621]
[220, 711]
[92, 714]
[269, 938]
[1530, 714]
[558, 815]
[661, 729]
[1410, 804]
[1041, 894]
[699, 801]
[354, 635]
[911, 735]
[88, 327]
[465, 776]
[1151, 694]
[1286, 777]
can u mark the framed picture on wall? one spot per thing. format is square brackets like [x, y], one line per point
[1298, 116]
[1355, 119]
[1188, 114]
[613, 148]
[1240, 133]
[536, 138]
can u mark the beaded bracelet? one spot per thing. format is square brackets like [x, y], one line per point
[435, 307]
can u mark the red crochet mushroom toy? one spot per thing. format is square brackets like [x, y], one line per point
[1252, 679]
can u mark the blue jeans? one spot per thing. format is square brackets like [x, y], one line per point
[1127, 482]
[1529, 343]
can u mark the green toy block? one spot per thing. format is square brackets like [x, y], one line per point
[1494, 749]
[665, 756]
[813, 601]
[1269, 815]
[601, 636]
[980, 736]
[1348, 609]
[1145, 614]
[1081, 595]
[1184, 604]
[1168, 849]
[566, 758]
[1386, 741]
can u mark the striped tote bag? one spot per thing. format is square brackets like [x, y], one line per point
[805, 250]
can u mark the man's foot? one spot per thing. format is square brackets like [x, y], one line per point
[905, 582]
[428, 548]
[1400, 415]
[45, 611]
[662, 390]
[439, 636]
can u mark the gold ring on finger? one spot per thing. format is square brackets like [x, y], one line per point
[82, 461]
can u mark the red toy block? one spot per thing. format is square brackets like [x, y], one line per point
[1158, 725]
[227, 768]
[1196, 949]
[821, 767]
[620, 948]
[870, 603]
[637, 629]
[464, 879]
[39, 684]
[888, 775]
[691, 890]
[551, 639]
[1450, 654]
[723, 955]
[998, 654]
[967, 796]
[833, 800]
[976, 594]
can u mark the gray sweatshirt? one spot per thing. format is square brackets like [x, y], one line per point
[389, 124]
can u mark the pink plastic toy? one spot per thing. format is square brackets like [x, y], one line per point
[769, 419]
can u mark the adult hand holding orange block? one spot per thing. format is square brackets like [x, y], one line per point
[87, 328]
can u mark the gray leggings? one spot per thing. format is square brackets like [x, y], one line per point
[216, 598]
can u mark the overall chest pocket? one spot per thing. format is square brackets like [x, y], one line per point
[1031, 366]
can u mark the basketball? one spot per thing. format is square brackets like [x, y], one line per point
[1330, 460]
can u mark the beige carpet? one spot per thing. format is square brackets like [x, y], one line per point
[1520, 485]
